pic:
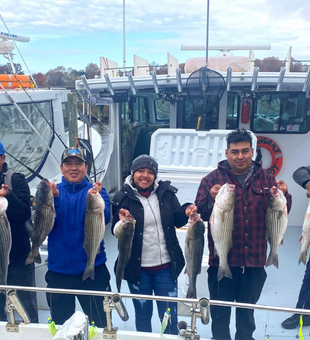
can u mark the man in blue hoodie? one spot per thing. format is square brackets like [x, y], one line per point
[66, 255]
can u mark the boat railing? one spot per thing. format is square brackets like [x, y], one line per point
[199, 307]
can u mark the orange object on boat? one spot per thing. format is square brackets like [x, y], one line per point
[12, 81]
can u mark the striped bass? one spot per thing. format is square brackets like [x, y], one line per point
[125, 238]
[222, 225]
[44, 218]
[194, 245]
[94, 227]
[276, 222]
[5, 241]
[305, 237]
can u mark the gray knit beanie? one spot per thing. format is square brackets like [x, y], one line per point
[144, 161]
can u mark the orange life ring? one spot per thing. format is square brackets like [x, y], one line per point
[275, 151]
[12, 81]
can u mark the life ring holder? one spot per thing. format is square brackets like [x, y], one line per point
[275, 151]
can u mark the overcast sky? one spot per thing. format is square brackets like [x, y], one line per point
[73, 33]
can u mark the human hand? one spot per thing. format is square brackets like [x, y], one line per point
[98, 186]
[308, 189]
[123, 213]
[54, 189]
[4, 191]
[191, 209]
[214, 190]
[281, 185]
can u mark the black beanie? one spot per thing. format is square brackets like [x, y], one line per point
[144, 161]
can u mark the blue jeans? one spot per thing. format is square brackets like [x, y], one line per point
[304, 294]
[161, 283]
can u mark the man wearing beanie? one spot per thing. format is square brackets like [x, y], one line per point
[156, 257]
[16, 191]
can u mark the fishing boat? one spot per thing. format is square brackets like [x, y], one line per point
[161, 116]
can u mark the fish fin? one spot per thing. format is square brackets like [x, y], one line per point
[89, 272]
[37, 258]
[302, 258]
[118, 284]
[191, 293]
[273, 259]
[29, 259]
[224, 271]
[211, 219]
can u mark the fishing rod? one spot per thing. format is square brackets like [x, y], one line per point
[27, 167]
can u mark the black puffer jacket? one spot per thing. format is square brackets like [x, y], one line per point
[172, 215]
[18, 213]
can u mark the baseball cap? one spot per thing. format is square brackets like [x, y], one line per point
[2, 151]
[72, 152]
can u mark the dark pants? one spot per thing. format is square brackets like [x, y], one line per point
[63, 305]
[244, 287]
[21, 275]
[304, 294]
[161, 283]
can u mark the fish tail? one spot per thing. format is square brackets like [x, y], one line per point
[224, 271]
[273, 259]
[89, 272]
[118, 284]
[30, 259]
[302, 258]
[37, 258]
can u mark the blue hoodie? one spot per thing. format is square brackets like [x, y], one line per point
[66, 254]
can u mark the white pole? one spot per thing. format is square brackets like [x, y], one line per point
[124, 40]
[207, 37]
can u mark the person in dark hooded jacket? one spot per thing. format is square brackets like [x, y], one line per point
[18, 213]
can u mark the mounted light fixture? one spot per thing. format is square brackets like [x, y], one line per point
[281, 78]
[109, 85]
[307, 82]
[179, 80]
[155, 83]
[132, 84]
[254, 79]
[228, 78]
[86, 86]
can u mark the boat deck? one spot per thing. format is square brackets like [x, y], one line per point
[281, 289]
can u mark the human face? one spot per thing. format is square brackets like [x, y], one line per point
[74, 169]
[144, 178]
[239, 156]
[2, 160]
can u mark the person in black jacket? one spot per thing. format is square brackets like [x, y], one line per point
[156, 258]
[18, 213]
[302, 177]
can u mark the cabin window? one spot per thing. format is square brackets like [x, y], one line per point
[281, 112]
[233, 108]
[139, 110]
[162, 110]
[209, 119]
[18, 137]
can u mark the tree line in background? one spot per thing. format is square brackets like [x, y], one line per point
[62, 77]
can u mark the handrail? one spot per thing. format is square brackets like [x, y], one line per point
[158, 298]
